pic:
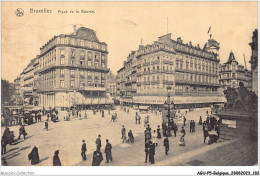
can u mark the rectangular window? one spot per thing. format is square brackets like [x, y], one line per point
[62, 52]
[89, 63]
[61, 83]
[81, 73]
[82, 55]
[72, 73]
[72, 84]
[62, 73]
[72, 53]
[72, 61]
[62, 60]
[81, 84]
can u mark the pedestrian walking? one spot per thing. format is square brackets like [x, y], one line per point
[22, 132]
[151, 152]
[48, 116]
[166, 145]
[56, 159]
[83, 150]
[169, 131]
[46, 125]
[130, 136]
[200, 121]
[103, 114]
[154, 137]
[123, 132]
[139, 119]
[175, 129]
[184, 120]
[193, 126]
[147, 134]
[136, 117]
[34, 156]
[147, 149]
[205, 134]
[97, 158]
[191, 123]
[108, 151]
[159, 136]
[98, 142]
[183, 132]
[3, 146]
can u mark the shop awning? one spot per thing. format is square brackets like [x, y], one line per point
[89, 99]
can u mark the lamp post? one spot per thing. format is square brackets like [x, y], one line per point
[169, 104]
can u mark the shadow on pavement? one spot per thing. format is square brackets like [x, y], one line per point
[43, 159]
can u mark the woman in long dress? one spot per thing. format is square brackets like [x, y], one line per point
[154, 137]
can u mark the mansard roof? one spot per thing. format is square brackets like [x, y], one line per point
[87, 34]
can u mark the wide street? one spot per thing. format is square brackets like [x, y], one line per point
[67, 136]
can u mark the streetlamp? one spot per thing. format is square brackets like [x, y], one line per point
[168, 104]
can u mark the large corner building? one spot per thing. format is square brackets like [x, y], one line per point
[72, 71]
[191, 71]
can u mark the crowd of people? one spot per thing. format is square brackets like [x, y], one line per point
[152, 137]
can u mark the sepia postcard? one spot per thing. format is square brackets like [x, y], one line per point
[147, 83]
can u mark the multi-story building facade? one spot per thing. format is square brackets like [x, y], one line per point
[190, 71]
[254, 61]
[231, 74]
[18, 94]
[111, 84]
[72, 70]
[28, 77]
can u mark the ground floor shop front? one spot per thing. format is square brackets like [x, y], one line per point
[178, 101]
[84, 100]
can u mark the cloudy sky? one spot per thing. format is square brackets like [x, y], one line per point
[122, 25]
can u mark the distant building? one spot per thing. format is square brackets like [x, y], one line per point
[231, 73]
[254, 61]
[111, 84]
[73, 70]
[18, 94]
[28, 79]
[191, 72]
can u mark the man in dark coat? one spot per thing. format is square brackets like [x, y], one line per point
[6, 133]
[131, 136]
[205, 134]
[56, 159]
[103, 114]
[108, 151]
[191, 124]
[34, 156]
[151, 152]
[147, 149]
[83, 150]
[97, 158]
[123, 132]
[159, 136]
[175, 129]
[46, 125]
[3, 146]
[184, 121]
[22, 132]
[98, 142]
[147, 134]
[200, 121]
[166, 145]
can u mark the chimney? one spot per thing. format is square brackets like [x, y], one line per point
[74, 29]
[179, 40]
